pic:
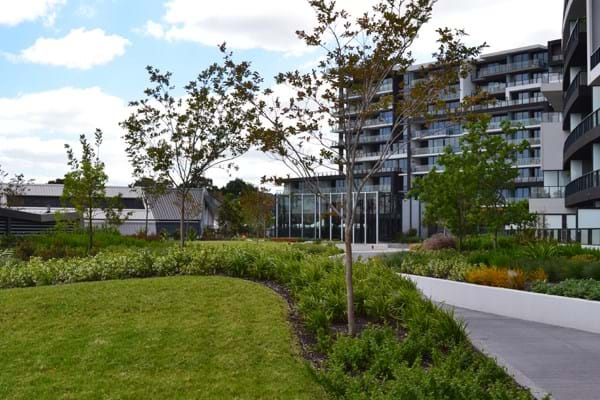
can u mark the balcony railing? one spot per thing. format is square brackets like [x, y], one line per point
[573, 41]
[529, 161]
[583, 183]
[507, 68]
[437, 132]
[529, 179]
[590, 122]
[595, 58]
[579, 81]
[419, 151]
[509, 103]
[531, 141]
[372, 139]
[548, 192]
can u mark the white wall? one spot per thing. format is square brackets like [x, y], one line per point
[552, 310]
[589, 219]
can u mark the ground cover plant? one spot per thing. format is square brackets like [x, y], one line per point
[514, 264]
[163, 338]
[408, 348]
[588, 289]
[57, 244]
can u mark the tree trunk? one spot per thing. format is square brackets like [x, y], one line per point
[90, 233]
[182, 222]
[348, 260]
[146, 229]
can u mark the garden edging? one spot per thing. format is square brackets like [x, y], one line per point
[546, 309]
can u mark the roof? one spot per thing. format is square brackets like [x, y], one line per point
[35, 217]
[166, 206]
[55, 190]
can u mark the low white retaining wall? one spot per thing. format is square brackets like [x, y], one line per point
[553, 310]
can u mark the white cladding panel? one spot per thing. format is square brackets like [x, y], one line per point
[589, 219]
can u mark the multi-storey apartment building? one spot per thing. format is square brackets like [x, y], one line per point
[551, 92]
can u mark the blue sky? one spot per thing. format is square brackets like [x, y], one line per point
[69, 66]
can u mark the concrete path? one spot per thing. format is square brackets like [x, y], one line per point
[562, 362]
[366, 251]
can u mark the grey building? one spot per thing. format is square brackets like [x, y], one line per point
[35, 210]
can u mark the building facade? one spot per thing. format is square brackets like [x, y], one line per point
[551, 92]
[35, 209]
[578, 216]
[524, 87]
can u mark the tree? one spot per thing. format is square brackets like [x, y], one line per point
[85, 186]
[180, 139]
[236, 187]
[12, 192]
[230, 215]
[359, 54]
[257, 210]
[468, 190]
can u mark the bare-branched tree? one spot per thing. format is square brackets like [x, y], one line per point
[347, 92]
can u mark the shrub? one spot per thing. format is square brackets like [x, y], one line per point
[372, 365]
[541, 250]
[583, 289]
[439, 241]
[504, 277]
[446, 264]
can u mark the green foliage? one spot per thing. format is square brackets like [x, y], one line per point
[375, 366]
[257, 208]
[369, 366]
[584, 289]
[85, 187]
[178, 138]
[446, 264]
[69, 245]
[230, 216]
[467, 193]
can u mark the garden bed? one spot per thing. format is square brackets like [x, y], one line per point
[432, 358]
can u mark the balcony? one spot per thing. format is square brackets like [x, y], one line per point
[510, 103]
[575, 49]
[577, 97]
[548, 192]
[503, 69]
[595, 58]
[584, 134]
[529, 161]
[421, 151]
[529, 179]
[583, 191]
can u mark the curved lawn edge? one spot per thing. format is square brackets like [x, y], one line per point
[374, 364]
[191, 337]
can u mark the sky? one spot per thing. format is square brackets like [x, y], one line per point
[68, 67]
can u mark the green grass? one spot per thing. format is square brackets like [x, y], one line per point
[165, 338]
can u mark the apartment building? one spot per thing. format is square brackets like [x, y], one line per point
[551, 92]
[524, 86]
[577, 155]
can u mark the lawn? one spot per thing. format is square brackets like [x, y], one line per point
[165, 338]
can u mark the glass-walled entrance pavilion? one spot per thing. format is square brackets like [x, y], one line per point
[312, 216]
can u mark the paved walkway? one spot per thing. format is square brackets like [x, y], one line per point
[560, 361]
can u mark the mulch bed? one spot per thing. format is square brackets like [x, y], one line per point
[306, 339]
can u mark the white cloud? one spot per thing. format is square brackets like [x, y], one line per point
[503, 24]
[34, 128]
[271, 24]
[14, 12]
[265, 24]
[154, 29]
[79, 49]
